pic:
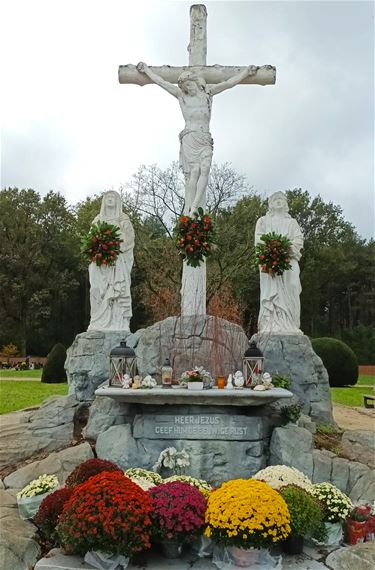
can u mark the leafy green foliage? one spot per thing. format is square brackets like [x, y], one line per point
[290, 414]
[280, 381]
[339, 360]
[306, 513]
[54, 370]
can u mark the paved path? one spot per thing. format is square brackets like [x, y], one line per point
[348, 417]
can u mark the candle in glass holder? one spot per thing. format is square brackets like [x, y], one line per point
[220, 381]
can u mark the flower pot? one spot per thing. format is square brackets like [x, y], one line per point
[334, 533]
[106, 561]
[244, 558]
[195, 385]
[171, 548]
[370, 529]
[293, 544]
[355, 531]
[29, 506]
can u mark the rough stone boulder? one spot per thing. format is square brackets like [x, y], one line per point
[87, 361]
[211, 342]
[361, 557]
[293, 356]
[60, 463]
[50, 427]
[214, 343]
[359, 445]
[18, 547]
[292, 446]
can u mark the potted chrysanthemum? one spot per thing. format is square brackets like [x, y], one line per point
[177, 514]
[245, 516]
[337, 507]
[107, 519]
[30, 497]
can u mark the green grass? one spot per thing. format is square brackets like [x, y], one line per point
[351, 396]
[4, 373]
[366, 380]
[25, 394]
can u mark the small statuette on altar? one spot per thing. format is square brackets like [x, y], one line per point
[259, 388]
[267, 381]
[136, 382]
[239, 380]
[148, 382]
[126, 381]
[229, 385]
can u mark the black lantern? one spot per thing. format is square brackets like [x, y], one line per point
[122, 360]
[252, 365]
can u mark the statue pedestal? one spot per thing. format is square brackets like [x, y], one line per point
[225, 432]
[293, 356]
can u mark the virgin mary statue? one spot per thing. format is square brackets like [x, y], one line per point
[279, 295]
[110, 300]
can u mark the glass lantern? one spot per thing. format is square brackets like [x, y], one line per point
[122, 360]
[253, 361]
[166, 374]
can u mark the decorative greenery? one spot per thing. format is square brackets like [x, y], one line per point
[109, 513]
[140, 473]
[247, 513]
[340, 361]
[280, 381]
[49, 511]
[279, 476]
[194, 237]
[101, 245]
[178, 511]
[88, 469]
[291, 414]
[39, 486]
[53, 370]
[273, 254]
[337, 505]
[305, 511]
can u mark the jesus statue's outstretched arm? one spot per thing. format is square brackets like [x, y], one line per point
[232, 81]
[172, 89]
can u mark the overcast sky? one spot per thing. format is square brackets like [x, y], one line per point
[69, 126]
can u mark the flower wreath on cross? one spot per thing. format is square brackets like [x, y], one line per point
[194, 237]
[101, 245]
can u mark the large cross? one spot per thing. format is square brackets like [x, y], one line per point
[193, 286]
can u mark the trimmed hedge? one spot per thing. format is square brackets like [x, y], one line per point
[339, 359]
[53, 370]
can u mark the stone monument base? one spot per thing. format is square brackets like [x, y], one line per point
[294, 357]
[222, 442]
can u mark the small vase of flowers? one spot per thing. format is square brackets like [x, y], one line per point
[194, 379]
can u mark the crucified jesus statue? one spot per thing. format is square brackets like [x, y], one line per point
[196, 144]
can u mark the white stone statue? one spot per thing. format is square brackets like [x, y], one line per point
[196, 143]
[110, 299]
[279, 295]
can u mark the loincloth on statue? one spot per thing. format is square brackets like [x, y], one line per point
[195, 147]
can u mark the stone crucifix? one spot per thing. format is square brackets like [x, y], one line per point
[194, 87]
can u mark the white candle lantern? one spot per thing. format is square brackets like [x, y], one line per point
[122, 361]
[253, 361]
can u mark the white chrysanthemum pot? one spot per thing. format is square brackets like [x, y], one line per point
[335, 533]
[195, 385]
